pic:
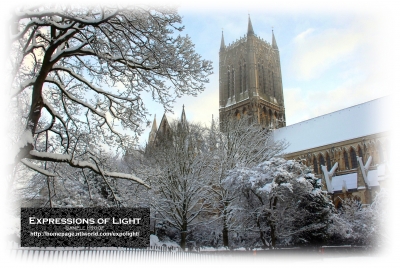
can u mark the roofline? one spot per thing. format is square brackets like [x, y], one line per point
[340, 141]
[336, 111]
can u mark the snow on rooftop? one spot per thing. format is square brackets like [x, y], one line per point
[373, 178]
[356, 121]
[377, 175]
[381, 171]
[349, 179]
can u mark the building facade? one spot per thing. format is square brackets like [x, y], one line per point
[250, 83]
[356, 139]
[250, 80]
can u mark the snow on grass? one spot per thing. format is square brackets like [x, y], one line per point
[155, 242]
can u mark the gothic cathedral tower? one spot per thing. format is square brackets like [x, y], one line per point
[250, 81]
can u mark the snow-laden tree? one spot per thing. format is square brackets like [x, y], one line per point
[85, 71]
[280, 202]
[240, 143]
[178, 173]
[360, 224]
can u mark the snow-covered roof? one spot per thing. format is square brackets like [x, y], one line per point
[356, 121]
[349, 179]
[381, 171]
[377, 175]
[373, 178]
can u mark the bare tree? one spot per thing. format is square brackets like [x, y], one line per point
[85, 70]
[240, 143]
[181, 187]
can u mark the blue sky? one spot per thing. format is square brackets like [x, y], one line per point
[332, 56]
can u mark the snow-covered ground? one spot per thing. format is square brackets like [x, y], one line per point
[155, 242]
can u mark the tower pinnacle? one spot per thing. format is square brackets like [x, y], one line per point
[183, 115]
[274, 45]
[222, 42]
[154, 126]
[153, 131]
[250, 30]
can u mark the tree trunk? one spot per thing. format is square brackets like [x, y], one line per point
[225, 237]
[261, 233]
[36, 102]
[273, 235]
[225, 231]
[272, 225]
[183, 236]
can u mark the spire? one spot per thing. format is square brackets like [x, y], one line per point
[274, 45]
[154, 127]
[183, 115]
[153, 131]
[222, 42]
[250, 30]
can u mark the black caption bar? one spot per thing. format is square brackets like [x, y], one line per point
[85, 227]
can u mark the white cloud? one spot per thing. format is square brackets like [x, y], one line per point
[316, 51]
[302, 104]
[301, 36]
[205, 108]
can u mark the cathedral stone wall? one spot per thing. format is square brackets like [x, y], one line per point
[345, 154]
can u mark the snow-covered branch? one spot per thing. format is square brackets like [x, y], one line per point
[66, 158]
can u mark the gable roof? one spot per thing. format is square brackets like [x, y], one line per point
[356, 121]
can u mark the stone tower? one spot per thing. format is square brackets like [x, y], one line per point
[250, 80]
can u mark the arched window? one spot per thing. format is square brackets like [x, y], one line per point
[346, 160]
[229, 83]
[237, 115]
[315, 165]
[308, 160]
[321, 160]
[259, 77]
[360, 154]
[270, 118]
[328, 162]
[339, 205]
[273, 86]
[244, 77]
[264, 116]
[264, 82]
[241, 78]
[353, 158]
[233, 82]
[270, 82]
[380, 153]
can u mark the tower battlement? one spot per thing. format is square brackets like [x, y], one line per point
[243, 40]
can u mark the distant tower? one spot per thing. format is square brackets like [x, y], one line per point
[161, 133]
[250, 80]
[153, 132]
